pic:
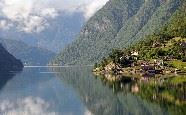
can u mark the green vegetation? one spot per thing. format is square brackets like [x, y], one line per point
[117, 25]
[155, 47]
[161, 46]
[177, 64]
[168, 45]
[114, 57]
[177, 80]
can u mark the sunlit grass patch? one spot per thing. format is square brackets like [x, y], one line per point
[178, 64]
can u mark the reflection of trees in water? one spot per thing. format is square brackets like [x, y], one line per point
[103, 100]
[97, 98]
[170, 97]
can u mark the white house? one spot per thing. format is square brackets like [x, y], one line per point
[134, 53]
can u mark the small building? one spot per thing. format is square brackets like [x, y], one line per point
[135, 53]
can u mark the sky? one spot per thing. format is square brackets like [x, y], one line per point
[33, 15]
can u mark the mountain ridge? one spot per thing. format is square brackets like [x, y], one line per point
[59, 32]
[105, 30]
[28, 54]
[8, 62]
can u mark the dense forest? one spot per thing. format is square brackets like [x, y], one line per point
[118, 24]
[167, 44]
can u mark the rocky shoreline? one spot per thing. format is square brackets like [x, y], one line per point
[114, 73]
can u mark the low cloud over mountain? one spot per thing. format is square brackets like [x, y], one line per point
[27, 16]
[32, 16]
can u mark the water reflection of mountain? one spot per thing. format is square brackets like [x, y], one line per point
[91, 91]
[4, 78]
[37, 85]
[101, 100]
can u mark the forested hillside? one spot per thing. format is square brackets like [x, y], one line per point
[28, 54]
[168, 45]
[8, 62]
[117, 25]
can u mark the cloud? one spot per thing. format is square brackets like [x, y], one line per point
[5, 25]
[14, 10]
[87, 112]
[92, 7]
[87, 7]
[26, 106]
[28, 16]
[49, 12]
[34, 24]
[33, 15]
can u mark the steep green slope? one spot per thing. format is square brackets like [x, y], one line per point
[169, 45]
[28, 54]
[176, 26]
[8, 62]
[148, 21]
[118, 24]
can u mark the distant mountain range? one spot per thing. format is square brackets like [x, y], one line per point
[118, 24]
[29, 55]
[61, 31]
[8, 62]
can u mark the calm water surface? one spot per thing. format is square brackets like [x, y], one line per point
[73, 91]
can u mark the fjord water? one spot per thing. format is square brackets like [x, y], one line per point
[73, 91]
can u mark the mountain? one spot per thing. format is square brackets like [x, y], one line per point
[8, 62]
[60, 32]
[28, 54]
[118, 24]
